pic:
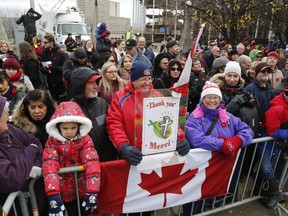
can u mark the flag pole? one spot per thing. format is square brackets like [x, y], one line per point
[181, 87]
[197, 40]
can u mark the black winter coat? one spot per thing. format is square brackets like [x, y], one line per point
[67, 69]
[196, 82]
[94, 58]
[29, 23]
[13, 96]
[163, 82]
[248, 111]
[55, 78]
[31, 68]
[96, 110]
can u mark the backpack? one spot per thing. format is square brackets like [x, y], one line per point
[250, 116]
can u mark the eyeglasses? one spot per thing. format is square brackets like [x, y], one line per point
[212, 44]
[248, 65]
[210, 98]
[112, 72]
[266, 71]
[174, 69]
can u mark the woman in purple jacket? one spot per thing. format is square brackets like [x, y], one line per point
[228, 135]
[20, 159]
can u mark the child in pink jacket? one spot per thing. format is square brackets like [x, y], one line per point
[70, 145]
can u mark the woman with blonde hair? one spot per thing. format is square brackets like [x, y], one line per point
[5, 51]
[37, 46]
[228, 47]
[110, 83]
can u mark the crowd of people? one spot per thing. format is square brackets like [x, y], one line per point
[73, 104]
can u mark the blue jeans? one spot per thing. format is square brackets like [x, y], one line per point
[266, 166]
[267, 163]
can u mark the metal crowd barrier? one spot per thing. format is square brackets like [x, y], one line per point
[245, 188]
[9, 203]
[247, 185]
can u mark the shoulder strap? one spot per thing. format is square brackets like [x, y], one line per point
[162, 83]
[210, 129]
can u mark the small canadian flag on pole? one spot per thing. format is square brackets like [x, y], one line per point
[163, 180]
[181, 87]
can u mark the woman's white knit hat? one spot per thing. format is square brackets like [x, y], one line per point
[210, 88]
[232, 66]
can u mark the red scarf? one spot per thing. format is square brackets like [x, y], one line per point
[231, 89]
[16, 77]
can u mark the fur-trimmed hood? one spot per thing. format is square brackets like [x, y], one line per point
[21, 121]
[68, 112]
[219, 80]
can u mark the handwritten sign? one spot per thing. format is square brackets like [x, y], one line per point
[160, 124]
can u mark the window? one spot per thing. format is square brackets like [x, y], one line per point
[74, 29]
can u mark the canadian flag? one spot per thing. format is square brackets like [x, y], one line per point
[181, 87]
[163, 180]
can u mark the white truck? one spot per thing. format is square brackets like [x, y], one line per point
[62, 22]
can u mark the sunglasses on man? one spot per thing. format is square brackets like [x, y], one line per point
[266, 71]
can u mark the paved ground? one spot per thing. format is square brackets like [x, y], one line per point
[250, 209]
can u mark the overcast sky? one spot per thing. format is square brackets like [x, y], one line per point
[24, 5]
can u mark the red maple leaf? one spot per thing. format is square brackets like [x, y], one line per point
[170, 182]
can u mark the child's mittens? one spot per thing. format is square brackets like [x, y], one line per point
[90, 201]
[56, 206]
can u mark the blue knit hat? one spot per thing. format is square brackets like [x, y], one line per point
[140, 69]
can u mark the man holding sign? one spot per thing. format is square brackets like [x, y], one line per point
[123, 117]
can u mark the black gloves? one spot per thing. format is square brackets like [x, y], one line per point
[245, 98]
[130, 153]
[183, 147]
[240, 99]
[134, 156]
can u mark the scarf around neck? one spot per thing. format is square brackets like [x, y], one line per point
[16, 77]
[119, 54]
